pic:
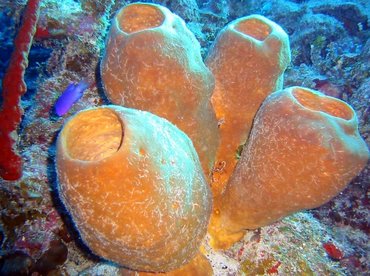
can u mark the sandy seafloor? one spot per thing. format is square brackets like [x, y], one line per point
[330, 45]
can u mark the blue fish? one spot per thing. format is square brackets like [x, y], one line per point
[71, 95]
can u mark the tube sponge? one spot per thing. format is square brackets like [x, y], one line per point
[134, 187]
[247, 59]
[152, 62]
[303, 150]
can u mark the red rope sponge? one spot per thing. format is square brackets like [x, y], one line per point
[13, 88]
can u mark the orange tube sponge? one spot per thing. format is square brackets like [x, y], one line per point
[303, 150]
[247, 59]
[152, 62]
[134, 187]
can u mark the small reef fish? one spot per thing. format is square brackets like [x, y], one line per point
[71, 95]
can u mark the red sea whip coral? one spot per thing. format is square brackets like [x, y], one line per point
[13, 88]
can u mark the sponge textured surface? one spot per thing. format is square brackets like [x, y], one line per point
[134, 187]
[152, 62]
[303, 150]
[248, 60]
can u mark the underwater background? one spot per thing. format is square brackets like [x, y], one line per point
[330, 51]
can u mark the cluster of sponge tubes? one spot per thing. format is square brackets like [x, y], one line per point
[132, 180]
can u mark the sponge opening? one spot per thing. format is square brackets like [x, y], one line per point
[254, 28]
[93, 135]
[139, 17]
[318, 102]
